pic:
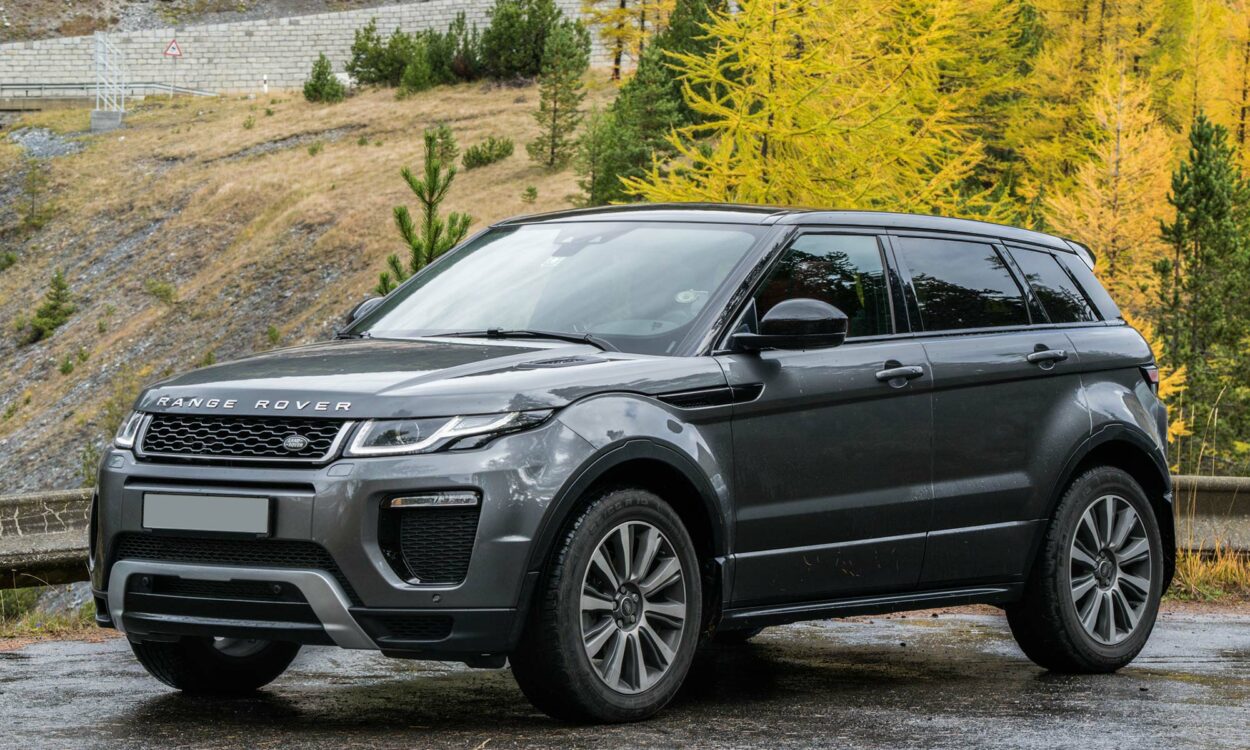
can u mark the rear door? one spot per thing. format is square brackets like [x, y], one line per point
[1007, 402]
[832, 458]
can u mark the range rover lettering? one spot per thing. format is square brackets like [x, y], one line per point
[584, 443]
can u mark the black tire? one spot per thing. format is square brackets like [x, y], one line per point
[551, 663]
[735, 637]
[1047, 621]
[206, 666]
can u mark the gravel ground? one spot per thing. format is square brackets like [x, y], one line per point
[954, 681]
[44, 144]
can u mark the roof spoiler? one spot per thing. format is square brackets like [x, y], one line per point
[1082, 252]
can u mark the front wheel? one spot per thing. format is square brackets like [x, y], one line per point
[221, 666]
[617, 617]
[1091, 600]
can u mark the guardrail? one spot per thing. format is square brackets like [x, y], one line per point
[43, 536]
[50, 91]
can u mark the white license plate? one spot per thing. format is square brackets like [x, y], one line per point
[222, 513]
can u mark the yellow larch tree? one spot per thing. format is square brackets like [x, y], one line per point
[1234, 110]
[829, 103]
[1083, 41]
[625, 26]
[1119, 194]
[1188, 79]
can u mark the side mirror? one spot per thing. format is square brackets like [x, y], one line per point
[362, 309]
[797, 324]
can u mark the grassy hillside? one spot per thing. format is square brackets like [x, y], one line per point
[208, 229]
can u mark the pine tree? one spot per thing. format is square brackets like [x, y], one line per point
[513, 43]
[57, 307]
[561, 92]
[596, 147]
[435, 235]
[1204, 284]
[1205, 291]
[322, 85]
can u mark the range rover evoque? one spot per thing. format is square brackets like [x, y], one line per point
[584, 442]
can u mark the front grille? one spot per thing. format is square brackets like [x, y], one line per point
[435, 544]
[248, 553]
[247, 438]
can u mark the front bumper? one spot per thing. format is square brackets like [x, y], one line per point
[362, 602]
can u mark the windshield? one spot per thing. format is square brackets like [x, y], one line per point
[641, 287]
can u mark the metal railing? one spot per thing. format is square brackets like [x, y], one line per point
[19, 90]
[110, 76]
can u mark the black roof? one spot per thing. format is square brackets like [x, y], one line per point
[728, 213]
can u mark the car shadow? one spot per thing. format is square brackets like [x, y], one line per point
[313, 701]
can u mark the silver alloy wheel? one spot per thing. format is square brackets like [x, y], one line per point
[1110, 569]
[633, 607]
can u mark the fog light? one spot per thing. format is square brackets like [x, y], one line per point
[436, 500]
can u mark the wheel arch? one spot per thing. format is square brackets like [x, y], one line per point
[1129, 449]
[648, 464]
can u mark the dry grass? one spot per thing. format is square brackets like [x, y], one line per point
[1221, 573]
[242, 221]
[19, 618]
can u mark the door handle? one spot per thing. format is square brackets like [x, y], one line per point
[897, 375]
[1047, 357]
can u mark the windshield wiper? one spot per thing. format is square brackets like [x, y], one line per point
[524, 333]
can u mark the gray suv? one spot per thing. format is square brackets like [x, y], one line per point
[584, 443]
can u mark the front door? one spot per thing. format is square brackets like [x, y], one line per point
[832, 460]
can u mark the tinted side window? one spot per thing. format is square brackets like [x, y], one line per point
[841, 269]
[962, 285]
[1054, 288]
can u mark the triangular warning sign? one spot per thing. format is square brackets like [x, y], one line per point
[173, 50]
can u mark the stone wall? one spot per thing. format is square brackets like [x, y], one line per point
[236, 56]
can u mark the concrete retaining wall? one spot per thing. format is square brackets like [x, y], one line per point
[43, 536]
[237, 56]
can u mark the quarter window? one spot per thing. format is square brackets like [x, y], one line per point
[844, 270]
[962, 285]
[1055, 289]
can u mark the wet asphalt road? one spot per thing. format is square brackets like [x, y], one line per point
[958, 682]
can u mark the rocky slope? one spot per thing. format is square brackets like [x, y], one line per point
[210, 229]
[22, 20]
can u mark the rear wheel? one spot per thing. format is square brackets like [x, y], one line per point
[1092, 598]
[223, 666]
[615, 624]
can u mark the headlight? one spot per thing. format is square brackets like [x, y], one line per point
[126, 434]
[392, 437]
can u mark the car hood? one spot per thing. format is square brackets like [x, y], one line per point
[432, 377]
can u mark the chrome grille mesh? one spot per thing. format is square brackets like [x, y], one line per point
[255, 438]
